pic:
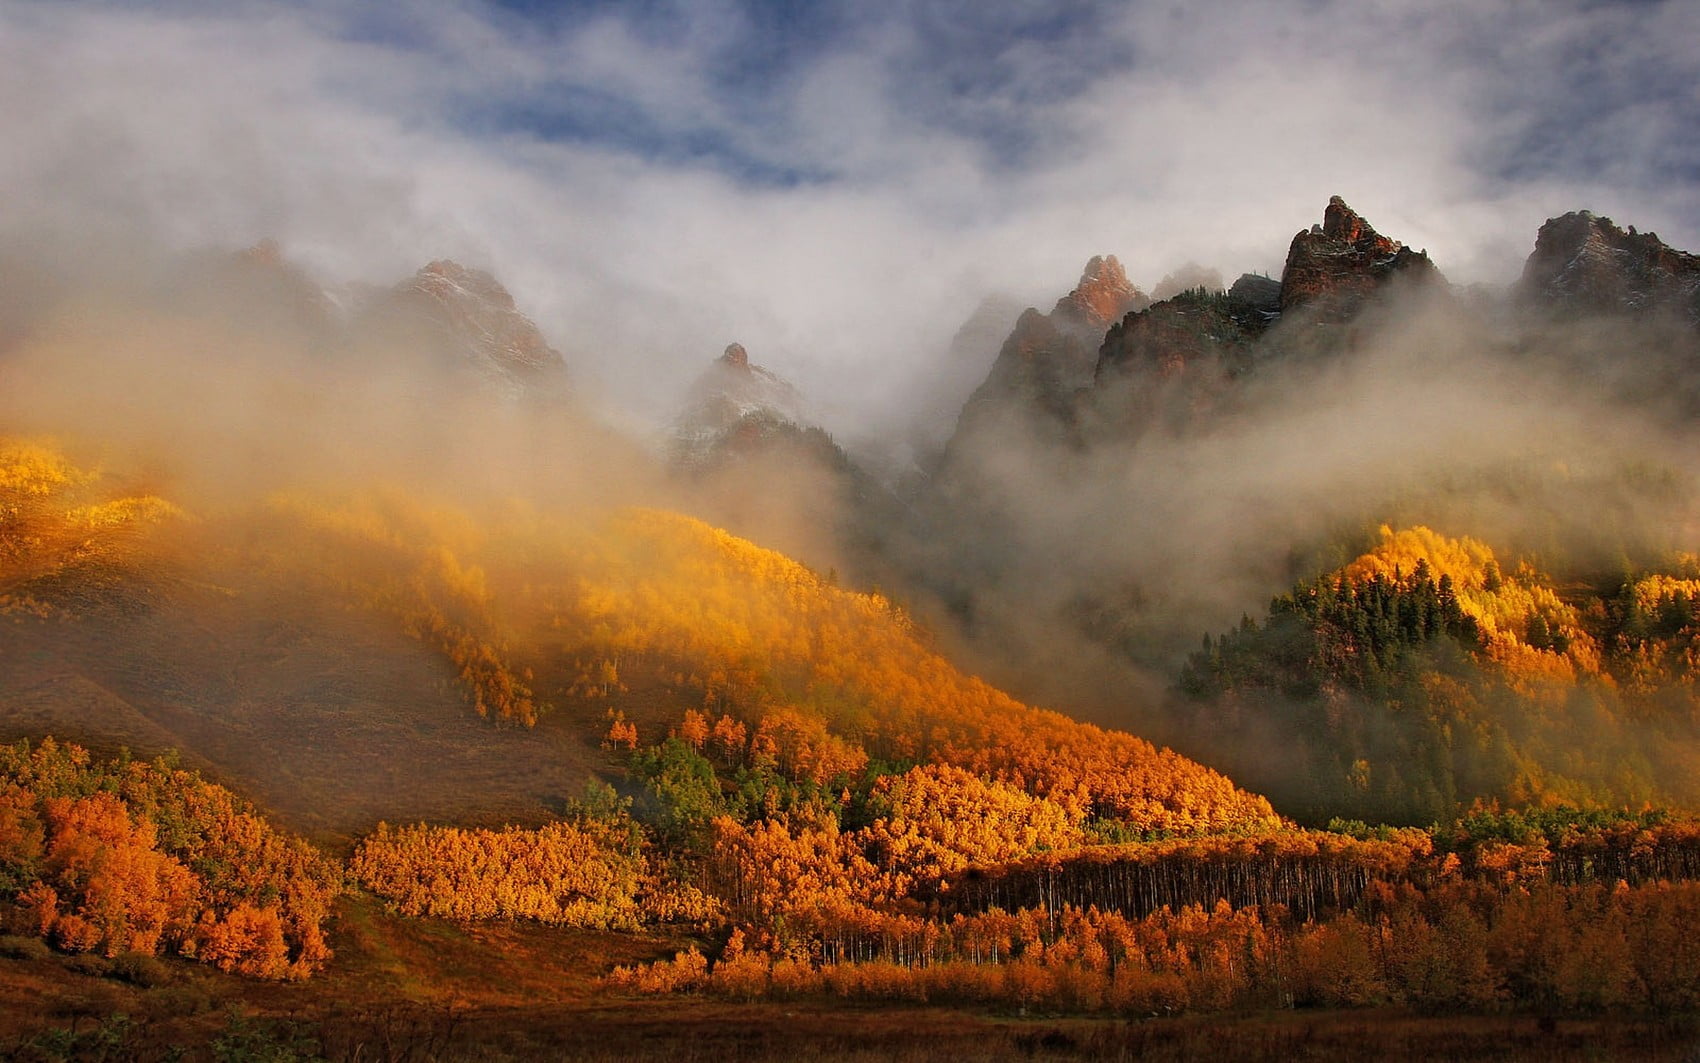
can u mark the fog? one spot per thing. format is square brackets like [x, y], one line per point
[1083, 572]
[837, 189]
[864, 201]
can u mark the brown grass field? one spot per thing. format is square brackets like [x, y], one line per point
[420, 989]
[328, 720]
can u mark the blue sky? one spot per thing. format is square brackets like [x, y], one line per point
[835, 185]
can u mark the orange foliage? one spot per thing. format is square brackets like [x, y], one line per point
[1503, 606]
[622, 733]
[1457, 946]
[694, 729]
[852, 667]
[822, 678]
[145, 857]
[247, 940]
[941, 820]
[116, 891]
[55, 517]
[562, 873]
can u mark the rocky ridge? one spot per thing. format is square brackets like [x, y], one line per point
[1335, 266]
[1048, 359]
[1585, 264]
[731, 405]
[471, 319]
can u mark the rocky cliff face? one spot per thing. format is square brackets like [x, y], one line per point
[467, 317]
[1103, 295]
[1335, 266]
[733, 403]
[1174, 359]
[1049, 359]
[1584, 264]
[1195, 328]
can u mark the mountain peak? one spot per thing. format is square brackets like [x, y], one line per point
[1103, 295]
[1583, 262]
[1341, 222]
[731, 389]
[447, 280]
[472, 319]
[1344, 260]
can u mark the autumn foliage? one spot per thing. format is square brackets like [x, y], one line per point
[822, 680]
[569, 874]
[1497, 910]
[58, 520]
[1422, 677]
[145, 857]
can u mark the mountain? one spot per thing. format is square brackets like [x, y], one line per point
[1195, 342]
[465, 321]
[754, 463]
[526, 683]
[1106, 521]
[1048, 359]
[1617, 311]
[946, 388]
[731, 407]
[1584, 264]
[329, 627]
[1176, 359]
[1334, 267]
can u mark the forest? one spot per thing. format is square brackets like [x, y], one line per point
[799, 790]
[1421, 678]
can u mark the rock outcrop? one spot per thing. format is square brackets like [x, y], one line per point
[1584, 264]
[733, 406]
[1195, 328]
[1334, 267]
[468, 318]
[1049, 359]
[1103, 295]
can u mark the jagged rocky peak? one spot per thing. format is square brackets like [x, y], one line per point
[731, 390]
[1048, 359]
[1197, 330]
[464, 291]
[476, 322]
[1340, 262]
[1583, 263]
[1340, 222]
[1103, 295]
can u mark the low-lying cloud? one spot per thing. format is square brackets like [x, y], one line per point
[837, 190]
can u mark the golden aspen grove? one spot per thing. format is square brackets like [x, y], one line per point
[829, 810]
[750, 530]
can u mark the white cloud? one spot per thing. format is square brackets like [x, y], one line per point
[1192, 132]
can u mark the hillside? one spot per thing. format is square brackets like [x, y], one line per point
[278, 624]
[1424, 676]
[644, 614]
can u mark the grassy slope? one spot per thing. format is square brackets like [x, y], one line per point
[425, 989]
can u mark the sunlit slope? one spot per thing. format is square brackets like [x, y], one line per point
[62, 525]
[166, 630]
[642, 615]
[1425, 675]
[323, 653]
